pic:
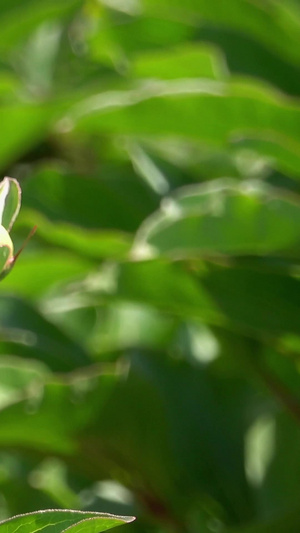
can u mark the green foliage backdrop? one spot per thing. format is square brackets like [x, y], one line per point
[150, 332]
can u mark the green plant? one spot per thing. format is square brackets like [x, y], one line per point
[58, 521]
[150, 337]
[10, 201]
[54, 520]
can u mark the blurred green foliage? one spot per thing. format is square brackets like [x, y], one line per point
[150, 332]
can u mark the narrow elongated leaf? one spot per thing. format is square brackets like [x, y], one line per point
[94, 244]
[181, 62]
[58, 521]
[223, 217]
[211, 112]
[10, 202]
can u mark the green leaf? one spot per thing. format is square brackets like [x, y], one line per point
[94, 244]
[223, 217]
[117, 199]
[37, 271]
[4, 255]
[58, 521]
[49, 418]
[24, 125]
[10, 202]
[197, 61]
[31, 14]
[25, 332]
[214, 113]
[275, 24]
[169, 287]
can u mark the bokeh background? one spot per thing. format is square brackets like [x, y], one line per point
[150, 332]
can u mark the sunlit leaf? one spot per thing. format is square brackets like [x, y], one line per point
[10, 202]
[223, 217]
[58, 521]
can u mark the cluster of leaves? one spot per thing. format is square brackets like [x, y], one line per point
[150, 337]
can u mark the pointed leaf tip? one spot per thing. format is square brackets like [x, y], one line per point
[61, 520]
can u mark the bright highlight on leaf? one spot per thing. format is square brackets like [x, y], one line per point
[58, 521]
[10, 202]
[221, 217]
[6, 250]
